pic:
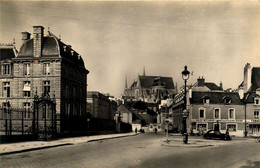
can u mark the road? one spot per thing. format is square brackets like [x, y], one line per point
[142, 151]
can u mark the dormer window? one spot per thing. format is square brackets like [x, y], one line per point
[205, 99]
[227, 100]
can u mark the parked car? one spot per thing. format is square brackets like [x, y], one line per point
[211, 134]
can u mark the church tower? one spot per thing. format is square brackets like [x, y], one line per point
[126, 88]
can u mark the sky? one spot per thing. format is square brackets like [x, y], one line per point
[118, 39]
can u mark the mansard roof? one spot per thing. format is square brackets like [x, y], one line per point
[212, 86]
[51, 47]
[216, 97]
[7, 52]
[148, 81]
[250, 97]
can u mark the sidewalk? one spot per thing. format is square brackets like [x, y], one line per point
[12, 148]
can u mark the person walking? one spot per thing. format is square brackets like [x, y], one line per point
[135, 130]
[155, 130]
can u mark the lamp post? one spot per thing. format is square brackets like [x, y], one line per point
[88, 120]
[167, 134]
[185, 77]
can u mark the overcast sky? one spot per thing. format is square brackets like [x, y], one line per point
[117, 39]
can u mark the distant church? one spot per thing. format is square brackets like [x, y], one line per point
[150, 89]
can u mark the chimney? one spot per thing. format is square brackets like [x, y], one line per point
[201, 81]
[221, 85]
[247, 77]
[241, 93]
[25, 36]
[190, 93]
[37, 40]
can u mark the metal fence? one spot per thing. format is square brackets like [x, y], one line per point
[15, 121]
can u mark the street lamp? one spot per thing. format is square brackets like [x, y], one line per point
[185, 77]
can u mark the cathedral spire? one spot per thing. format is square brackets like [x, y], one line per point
[126, 82]
[126, 88]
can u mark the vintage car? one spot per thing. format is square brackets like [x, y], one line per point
[211, 134]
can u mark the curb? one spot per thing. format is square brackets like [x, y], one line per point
[34, 149]
[93, 140]
[191, 144]
[187, 145]
[62, 144]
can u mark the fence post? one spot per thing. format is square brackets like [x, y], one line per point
[45, 121]
[10, 123]
[6, 125]
[22, 123]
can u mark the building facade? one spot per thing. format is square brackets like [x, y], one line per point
[45, 65]
[249, 90]
[208, 105]
[100, 106]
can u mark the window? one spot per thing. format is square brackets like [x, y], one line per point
[201, 127]
[26, 89]
[46, 87]
[206, 100]
[46, 69]
[6, 69]
[256, 114]
[6, 89]
[231, 113]
[232, 127]
[217, 113]
[256, 101]
[227, 100]
[26, 69]
[201, 113]
[27, 110]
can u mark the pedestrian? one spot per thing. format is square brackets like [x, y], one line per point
[200, 130]
[155, 130]
[227, 132]
[227, 135]
[135, 130]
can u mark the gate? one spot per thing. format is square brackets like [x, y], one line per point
[44, 122]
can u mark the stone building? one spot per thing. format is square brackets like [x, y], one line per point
[207, 106]
[45, 65]
[249, 91]
[100, 106]
[101, 112]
